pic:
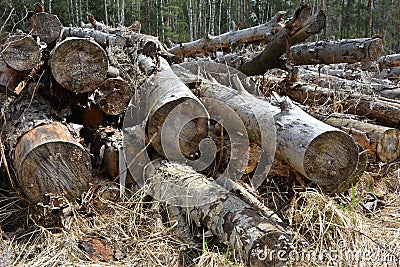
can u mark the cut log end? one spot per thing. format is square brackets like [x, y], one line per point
[79, 64]
[331, 159]
[375, 49]
[22, 53]
[388, 148]
[50, 163]
[116, 96]
[45, 26]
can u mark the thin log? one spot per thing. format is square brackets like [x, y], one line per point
[325, 155]
[187, 126]
[381, 143]
[302, 26]
[346, 51]
[49, 161]
[228, 217]
[260, 33]
[392, 73]
[385, 111]
[78, 64]
[389, 61]
[114, 97]
[46, 26]
[21, 52]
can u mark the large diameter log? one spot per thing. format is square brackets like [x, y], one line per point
[79, 64]
[45, 26]
[51, 163]
[21, 52]
[229, 218]
[325, 155]
[166, 96]
[115, 96]
[389, 61]
[302, 26]
[347, 51]
[381, 143]
[260, 33]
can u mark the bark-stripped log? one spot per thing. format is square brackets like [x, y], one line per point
[115, 95]
[260, 33]
[163, 97]
[325, 155]
[49, 161]
[389, 61]
[45, 26]
[381, 143]
[21, 52]
[347, 51]
[228, 217]
[386, 111]
[297, 30]
[79, 64]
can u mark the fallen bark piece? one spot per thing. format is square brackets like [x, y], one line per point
[21, 52]
[227, 216]
[325, 155]
[302, 26]
[346, 51]
[78, 64]
[46, 26]
[50, 163]
[381, 143]
[260, 33]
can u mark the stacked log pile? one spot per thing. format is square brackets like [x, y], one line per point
[65, 92]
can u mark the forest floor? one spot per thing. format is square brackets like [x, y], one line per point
[360, 227]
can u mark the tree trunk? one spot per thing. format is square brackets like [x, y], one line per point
[227, 40]
[297, 30]
[228, 217]
[78, 64]
[325, 155]
[49, 161]
[45, 26]
[381, 143]
[346, 51]
[21, 52]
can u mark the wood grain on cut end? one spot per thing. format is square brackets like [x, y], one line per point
[116, 96]
[45, 26]
[388, 147]
[330, 159]
[50, 162]
[375, 49]
[22, 53]
[79, 64]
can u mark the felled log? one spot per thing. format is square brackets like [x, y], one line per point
[79, 64]
[260, 33]
[247, 232]
[347, 51]
[46, 26]
[21, 52]
[302, 26]
[381, 143]
[385, 111]
[392, 73]
[325, 155]
[389, 61]
[9, 78]
[163, 97]
[49, 161]
[102, 38]
[114, 97]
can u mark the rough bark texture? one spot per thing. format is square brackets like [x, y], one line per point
[78, 64]
[228, 217]
[297, 30]
[21, 52]
[389, 61]
[50, 163]
[45, 26]
[386, 111]
[102, 38]
[381, 143]
[163, 97]
[347, 51]
[325, 155]
[233, 38]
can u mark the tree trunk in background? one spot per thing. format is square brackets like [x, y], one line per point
[368, 25]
